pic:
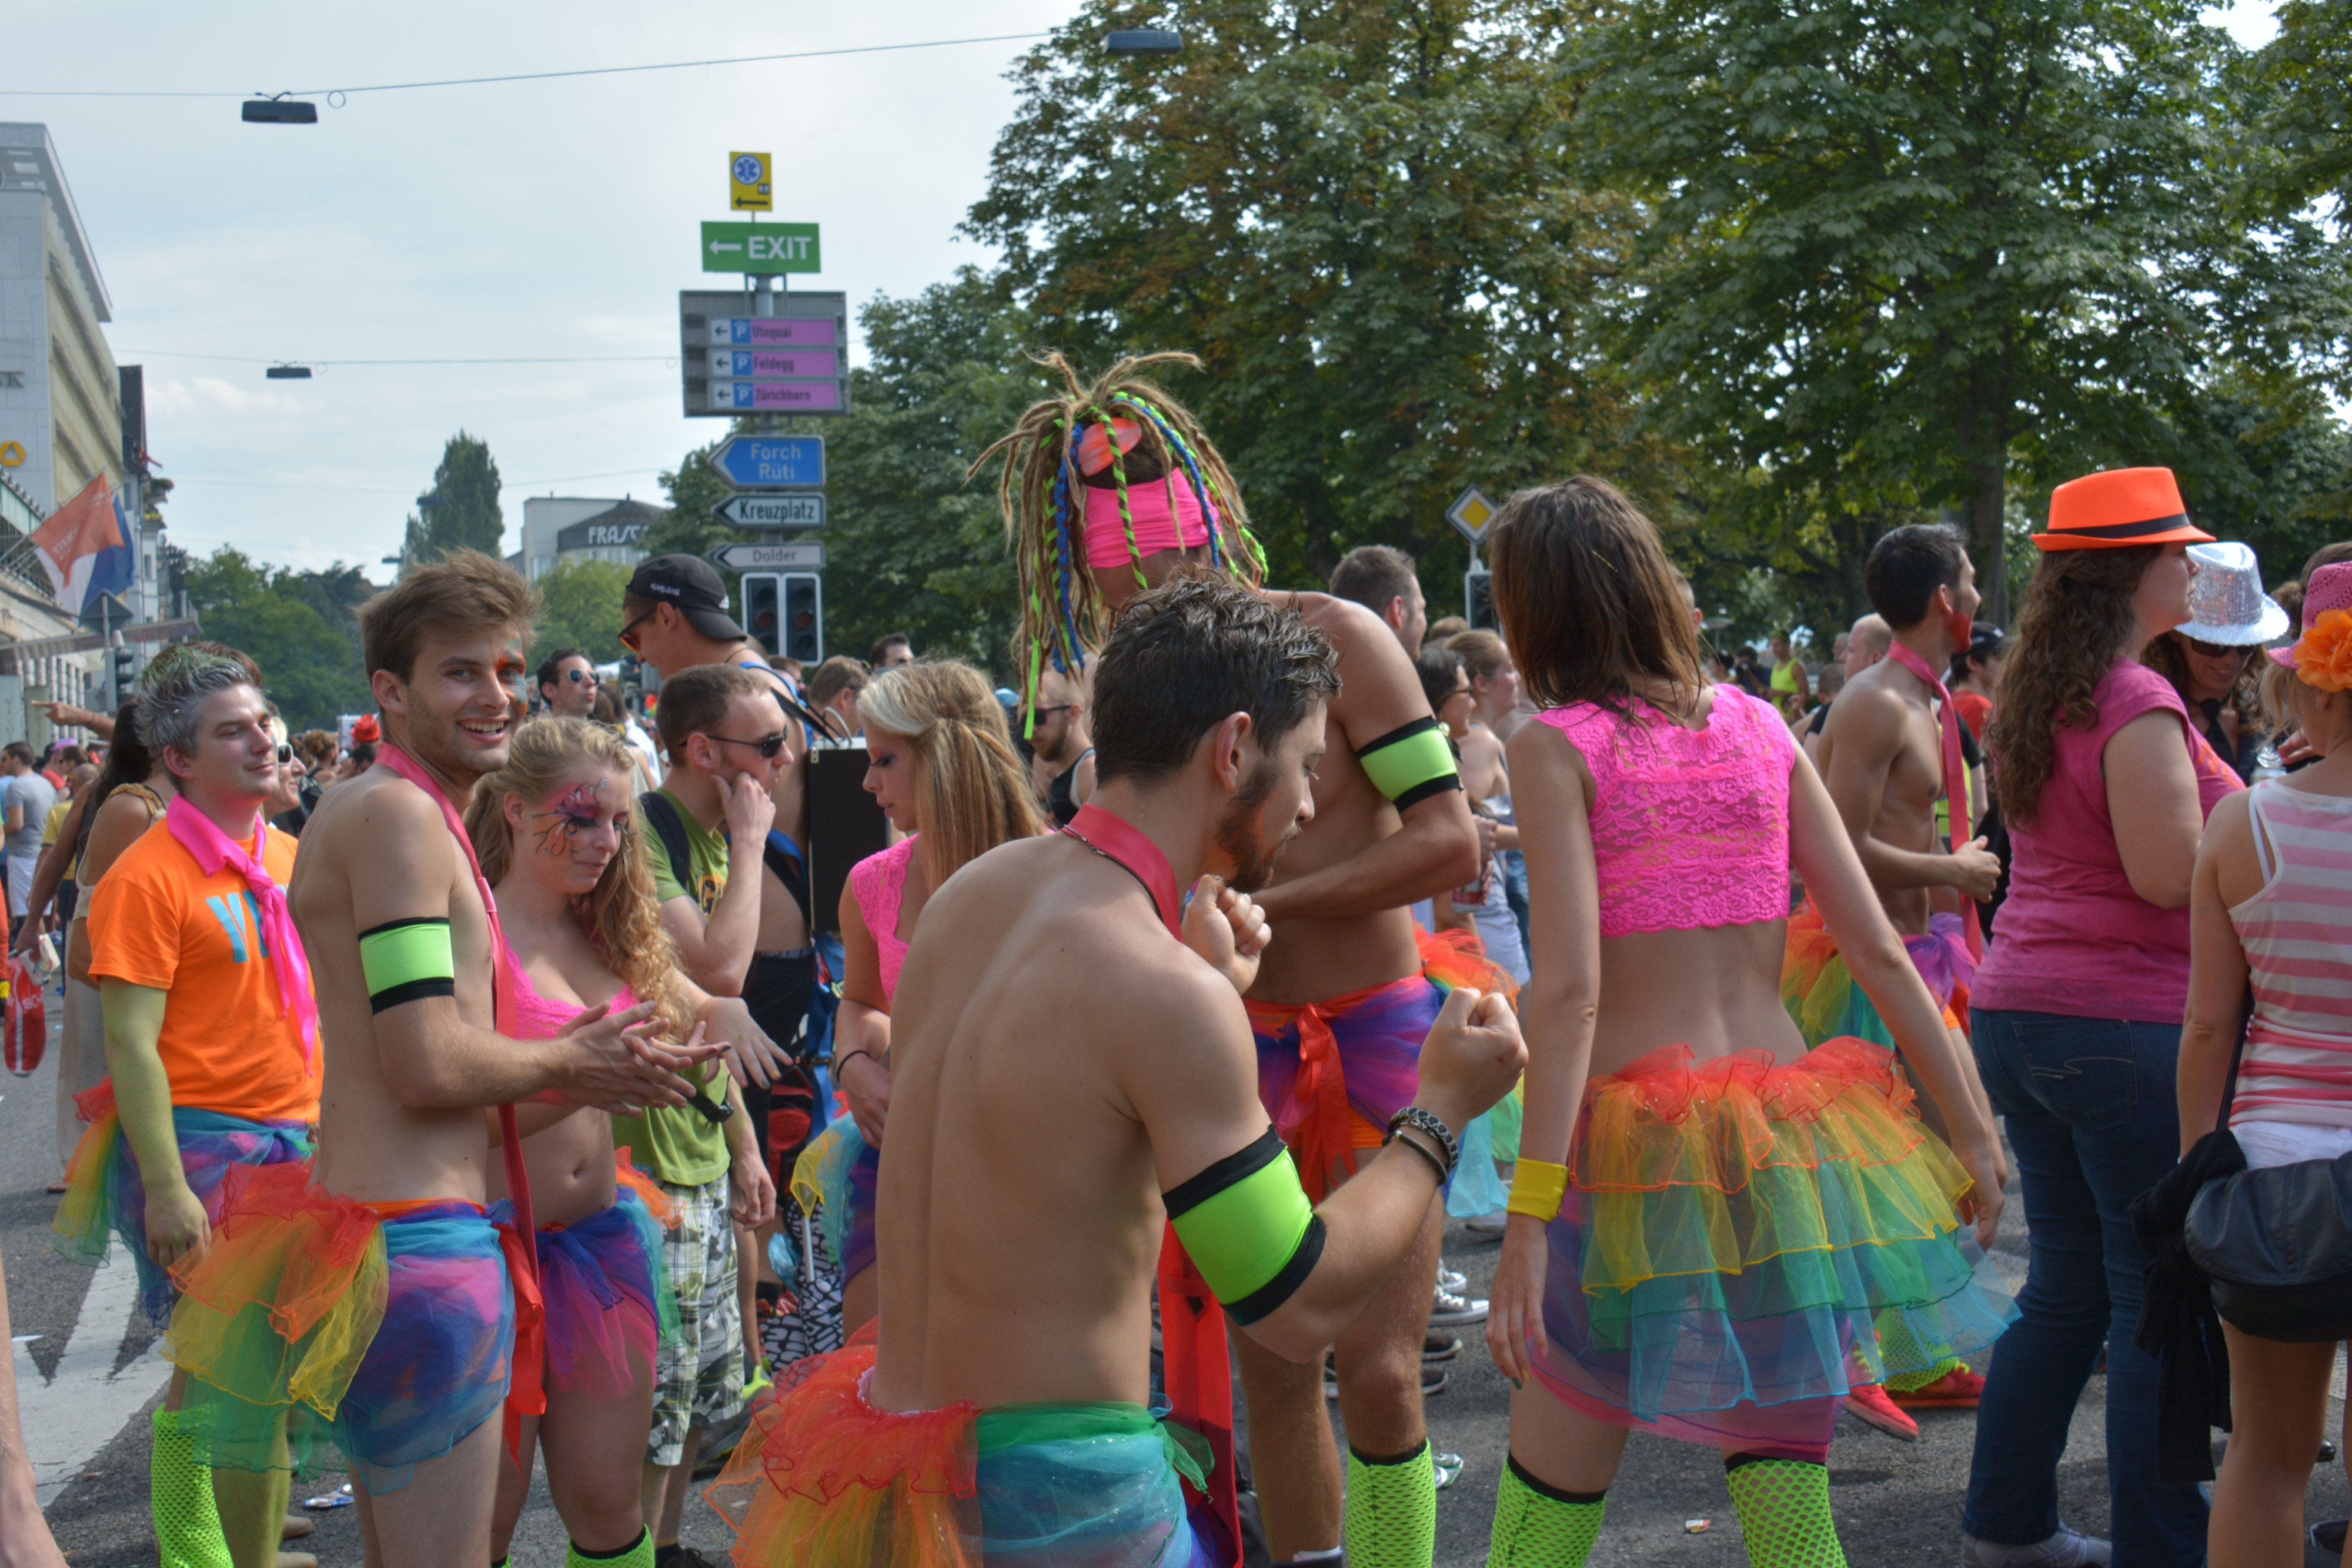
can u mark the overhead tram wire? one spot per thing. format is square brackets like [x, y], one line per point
[539, 76]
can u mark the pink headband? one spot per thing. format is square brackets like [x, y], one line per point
[1158, 526]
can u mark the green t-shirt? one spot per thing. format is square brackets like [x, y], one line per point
[676, 1144]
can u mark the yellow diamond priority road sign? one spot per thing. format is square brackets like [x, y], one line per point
[1471, 512]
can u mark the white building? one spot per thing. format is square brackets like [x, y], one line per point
[572, 527]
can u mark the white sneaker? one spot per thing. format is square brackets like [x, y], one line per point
[2066, 1549]
[1451, 1311]
[1450, 1278]
[1493, 1224]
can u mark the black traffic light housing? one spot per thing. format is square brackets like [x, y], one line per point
[762, 600]
[803, 618]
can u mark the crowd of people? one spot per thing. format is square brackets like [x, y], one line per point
[486, 1082]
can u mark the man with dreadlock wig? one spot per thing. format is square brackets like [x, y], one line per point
[1112, 488]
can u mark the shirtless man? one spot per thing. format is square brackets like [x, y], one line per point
[1881, 753]
[1064, 771]
[1390, 826]
[402, 954]
[1061, 1121]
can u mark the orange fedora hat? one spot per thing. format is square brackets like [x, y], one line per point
[2121, 506]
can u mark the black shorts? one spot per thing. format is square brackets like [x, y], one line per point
[777, 991]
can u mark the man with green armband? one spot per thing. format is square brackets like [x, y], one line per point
[1073, 1071]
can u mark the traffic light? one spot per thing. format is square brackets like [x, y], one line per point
[1478, 599]
[761, 592]
[126, 672]
[805, 618]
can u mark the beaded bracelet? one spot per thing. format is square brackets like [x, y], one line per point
[1435, 1126]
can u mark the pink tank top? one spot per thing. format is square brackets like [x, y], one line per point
[542, 1017]
[1690, 828]
[2297, 934]
[880, 883]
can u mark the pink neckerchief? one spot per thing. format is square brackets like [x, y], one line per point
[213, 849]
[1956, 774]
[1198, 1363]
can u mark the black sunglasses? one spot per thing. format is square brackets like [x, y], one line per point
[2219, 649]
[769, 744]
[285, 752]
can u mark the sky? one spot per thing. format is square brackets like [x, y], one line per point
[540, 219]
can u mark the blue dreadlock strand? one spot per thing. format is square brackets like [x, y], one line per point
[1200, 489]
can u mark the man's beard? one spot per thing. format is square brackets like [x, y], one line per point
[1238, 835]
[434, 742]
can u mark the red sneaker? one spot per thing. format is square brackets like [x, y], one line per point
[1958, 1389]
[1869, 1401]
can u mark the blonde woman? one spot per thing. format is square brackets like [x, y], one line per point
[941, 763]
[575, 898]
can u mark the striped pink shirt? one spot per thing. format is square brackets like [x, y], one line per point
[2297, 932]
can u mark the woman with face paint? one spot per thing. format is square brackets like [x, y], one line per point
[941, 763]
[583, 933]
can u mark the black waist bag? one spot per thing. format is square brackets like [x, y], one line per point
[2276, 1248]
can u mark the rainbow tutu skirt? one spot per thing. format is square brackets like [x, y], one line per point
[1742, 1242]
[1819, 991]
[106, 1196]
[383, 1330]
[821, 1476]
[607, 1294]
[837, 1178]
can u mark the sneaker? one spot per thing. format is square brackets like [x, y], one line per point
[1440, 1347]
[2064, 1550]
[1958, 1389]
[1433, 1380]
[1493, 1224]
[1448, 1468]
[1452, 1312]
[1869, 1401]
[1447, 1278]
[683, 1557]
[2328, 1535]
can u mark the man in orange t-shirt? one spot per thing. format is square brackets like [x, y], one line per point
[211, 1044]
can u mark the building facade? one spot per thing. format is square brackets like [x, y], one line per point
[569, 527]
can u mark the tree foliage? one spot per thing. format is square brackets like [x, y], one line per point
[580, 607]
[463, 510]
[1912, 253]
[1356, 215]
[297, 625]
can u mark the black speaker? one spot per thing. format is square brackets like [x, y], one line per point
[846, 825]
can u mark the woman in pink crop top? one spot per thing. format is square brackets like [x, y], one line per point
[576, 905]
[1673, 1110]
[2270, 906]
[941, 763]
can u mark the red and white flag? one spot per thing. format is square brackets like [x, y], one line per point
[70, 543]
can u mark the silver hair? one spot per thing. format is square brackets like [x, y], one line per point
[172, 709]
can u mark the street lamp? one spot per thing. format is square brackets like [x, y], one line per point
[1144, 41]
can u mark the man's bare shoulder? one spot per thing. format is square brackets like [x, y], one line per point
[1868, 704]
[367, 816]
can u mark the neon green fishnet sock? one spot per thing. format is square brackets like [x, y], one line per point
[1784, 1512]
[1391, 1513]
[180, 1490]
[1912, 1381]
[638, 1553]
[1539, 1526]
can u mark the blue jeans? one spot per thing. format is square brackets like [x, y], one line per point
[2093, 1120]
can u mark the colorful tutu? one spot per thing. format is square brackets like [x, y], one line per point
[106, 1196]
[837, 1178]
[1332, 1073]
[1742, 1242]
[608, 1295]
[1819, 990]
[821, 1476]
[383, 1330]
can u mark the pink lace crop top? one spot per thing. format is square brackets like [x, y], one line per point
[1690, 828]
[543, 1017]
[879, 882]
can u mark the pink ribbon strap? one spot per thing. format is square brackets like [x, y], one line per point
[213, 849]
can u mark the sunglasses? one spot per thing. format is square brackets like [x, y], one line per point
[577, 676]
[1057, 707]
[769, 744]
[628, 637]
[2218, 650]
[285, 754]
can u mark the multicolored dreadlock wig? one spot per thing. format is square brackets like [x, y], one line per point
[1102, 477]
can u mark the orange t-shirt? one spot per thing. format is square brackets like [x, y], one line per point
[228, 1044]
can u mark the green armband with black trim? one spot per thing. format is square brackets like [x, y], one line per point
[1411, 763]
[1248, 1225]
[405, 959]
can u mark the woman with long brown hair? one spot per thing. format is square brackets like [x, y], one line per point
[559, 847]
[1714, 1233]
[2075, 1013]
[944, 767]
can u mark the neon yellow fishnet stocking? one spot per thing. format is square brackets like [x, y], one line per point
[1391, 1514]
[180, 1490]
[1539, 1526]
[638, 1553]
[1784, 1512]
[1912, 1381]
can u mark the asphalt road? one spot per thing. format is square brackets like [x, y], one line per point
[88, 1381]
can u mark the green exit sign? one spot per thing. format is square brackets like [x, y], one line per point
[759, 248]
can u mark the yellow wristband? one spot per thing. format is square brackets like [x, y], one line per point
[1537, 1188]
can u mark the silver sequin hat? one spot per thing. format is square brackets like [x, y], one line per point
[2226, 602]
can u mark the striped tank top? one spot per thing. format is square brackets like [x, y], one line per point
[2297, 934]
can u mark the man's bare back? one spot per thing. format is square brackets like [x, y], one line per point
[1882, 758]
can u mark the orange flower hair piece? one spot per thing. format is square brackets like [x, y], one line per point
[2324, 657]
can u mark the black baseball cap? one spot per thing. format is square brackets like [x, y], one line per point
[693, 585]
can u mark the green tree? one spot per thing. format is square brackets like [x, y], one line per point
[1358, 217]
[580, 607]
[309, 662]
[461, 511]
[2308, 120]
[1930, 252]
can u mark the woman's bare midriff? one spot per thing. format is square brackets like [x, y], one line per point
[1715, 989]
[571, 1169]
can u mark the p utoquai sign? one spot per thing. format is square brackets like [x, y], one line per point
[734, 360]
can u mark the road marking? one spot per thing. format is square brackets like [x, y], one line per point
[75, 1413]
